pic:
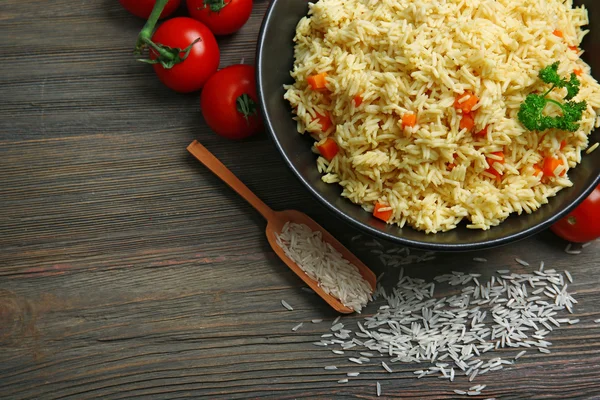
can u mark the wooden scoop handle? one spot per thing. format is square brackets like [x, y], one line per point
[211, 162]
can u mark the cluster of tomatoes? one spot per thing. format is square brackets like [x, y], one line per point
[185, 56]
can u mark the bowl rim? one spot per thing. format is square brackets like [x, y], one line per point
[443, 247]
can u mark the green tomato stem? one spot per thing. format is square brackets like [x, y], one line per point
[145, 36]
[246, 106]
[215, 5]
[166, 56]
[163, 53]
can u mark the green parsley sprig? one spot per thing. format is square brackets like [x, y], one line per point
[531, 114]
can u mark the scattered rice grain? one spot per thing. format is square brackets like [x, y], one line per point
[522, 262]
[569, 277]
[592, 148]
[386, 367]
[286, 305]
[520, 354]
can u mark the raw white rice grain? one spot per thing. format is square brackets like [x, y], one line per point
[286, 305]
[473, 375]
[386, 367]
[572, 252]
[569, 277]
[337, 327]
[522, 262]
[520, 354]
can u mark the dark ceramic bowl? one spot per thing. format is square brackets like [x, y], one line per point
[275, 58]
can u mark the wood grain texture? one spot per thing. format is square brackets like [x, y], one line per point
[127, 270]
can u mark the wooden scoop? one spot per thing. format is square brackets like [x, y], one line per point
[275, 222]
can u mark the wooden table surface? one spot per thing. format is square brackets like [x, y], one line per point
[128, 271]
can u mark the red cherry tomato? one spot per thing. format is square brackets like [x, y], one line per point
[582, 224]
[202, 61]
[223, 17]
[143, 8]
[229, 102]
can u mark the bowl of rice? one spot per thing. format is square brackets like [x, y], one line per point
[441, 125]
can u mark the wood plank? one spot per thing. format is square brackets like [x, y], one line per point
[128, 271]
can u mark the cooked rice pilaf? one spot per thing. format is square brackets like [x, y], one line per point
[388, 59]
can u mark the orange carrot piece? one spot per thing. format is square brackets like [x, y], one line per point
[482, 132]
[467, 122]
[499, 154]
[358, 100]
[409, 120]
[318, 81]
[382, 215]
[550, 164]
[563, 144]
[578, 71]
[328, 149]
[492, 161]
[324, 120]
[466, 105]
[537, 170]
[574, 48]
[558, 33]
